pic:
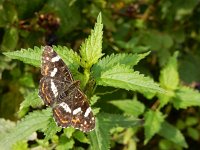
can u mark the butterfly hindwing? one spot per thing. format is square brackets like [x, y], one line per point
[82, 116]
[77, 114]
[62, 115]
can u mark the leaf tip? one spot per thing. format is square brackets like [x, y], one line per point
[99, 18]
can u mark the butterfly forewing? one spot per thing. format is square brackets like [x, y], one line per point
[59, 90]
[56, 75]
[53, 66]
[53, 86]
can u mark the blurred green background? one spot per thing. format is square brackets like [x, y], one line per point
[130, 26]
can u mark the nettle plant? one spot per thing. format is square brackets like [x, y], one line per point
[99, 71]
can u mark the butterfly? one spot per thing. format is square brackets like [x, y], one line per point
[62, 93]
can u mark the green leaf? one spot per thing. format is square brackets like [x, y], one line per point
[104, 122]
[42, 143]
[31, 123]
[5, 126]
[33, 56]
[169, 78]
[31, 99]
[186, 97]
[94, 99]
[10, 39]
[165, 144]
[26, 80]
[165, 98]
[128, 135]
[70, 57]
[91, 49]
[29, 56]
[99, 138]
[131, 107]
[65, 143]
[51, 130]
[132, 45]
[121, 76]
[80, 136]
[172, 134]
[69, 132]
[109, 61]
[193, 133]
[191, 121]
[180, 124]
[20, 145]
[153, 122]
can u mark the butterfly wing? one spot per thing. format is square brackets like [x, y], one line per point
[74, 110]
[53, 66]
[82, 115]
[50, 89]
[56, 75]
[62, 114]
[59, 90]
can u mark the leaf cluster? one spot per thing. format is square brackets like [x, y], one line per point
[123, 80]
